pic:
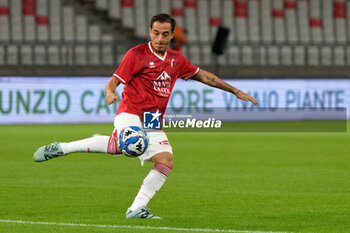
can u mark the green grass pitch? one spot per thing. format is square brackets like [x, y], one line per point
[288, 182]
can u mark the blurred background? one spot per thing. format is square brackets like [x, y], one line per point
[267, 38]
[285, 53]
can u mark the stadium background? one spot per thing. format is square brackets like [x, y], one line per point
[289, 182]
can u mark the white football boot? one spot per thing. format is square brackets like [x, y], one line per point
[51, 151]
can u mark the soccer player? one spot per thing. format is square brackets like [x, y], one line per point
[149, 72]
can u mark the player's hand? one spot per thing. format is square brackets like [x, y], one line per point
[243, 96]
[111, 98]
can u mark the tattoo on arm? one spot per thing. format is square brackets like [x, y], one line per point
[214, 81]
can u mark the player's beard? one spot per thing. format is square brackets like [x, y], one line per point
[161, 48]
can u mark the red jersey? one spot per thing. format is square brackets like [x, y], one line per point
[149, 78]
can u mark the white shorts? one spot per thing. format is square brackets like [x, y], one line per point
[158, 141]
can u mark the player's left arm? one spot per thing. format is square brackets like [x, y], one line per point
[214, 81]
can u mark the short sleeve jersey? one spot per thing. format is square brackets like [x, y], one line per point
[149, 79]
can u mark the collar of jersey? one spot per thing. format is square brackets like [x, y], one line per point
[161, 58]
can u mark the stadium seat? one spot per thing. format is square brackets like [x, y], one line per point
[203, 21]
[114, 10]
[266, 21]
[53, 55]
[42, 28]
[339, 17]
[81, 28]
[326, 56]
[12, 55]
[348, 56]
[315, 21]
[234, 55]
[2, 55]
[241, 21]
[206, 55]
[107, 51]
[313, 55]
[16, 18]
[195, 55]
[303, 21]
[190, 20]
[291, 22]
[55, 20]
[215, 17]
[273, 56]
[94, 57]
[221, 60]
[102, 4]
[26, 53]
[327, 16]
[29, 20]
[228, 18]
[94, 33]
[348, 19]
[278, 21]
[177, 12]
[185, 51]
[66, 55]
[80, 54]
[247, 55]
[141, 25]
[40, 55]
[4, 21]
[262, 59]
[42, 20]
[286, 56]
[152, 8]
[165, 6]
[253, 21]
[127, 14]
[68, 24]
[339, 56]
[299, 56]
[41, 7]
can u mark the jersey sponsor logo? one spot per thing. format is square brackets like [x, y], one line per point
[162, 84]
[151, 120]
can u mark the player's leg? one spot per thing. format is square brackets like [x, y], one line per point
[160, 152]
[97, 144]
[155, 179]
[101, 144]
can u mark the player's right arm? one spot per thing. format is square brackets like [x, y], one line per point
[111, 86]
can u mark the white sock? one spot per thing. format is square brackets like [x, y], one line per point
[101, 144]
[151, 185]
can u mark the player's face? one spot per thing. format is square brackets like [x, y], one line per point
[161, 36]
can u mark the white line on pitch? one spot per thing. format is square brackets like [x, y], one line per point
[133, 227]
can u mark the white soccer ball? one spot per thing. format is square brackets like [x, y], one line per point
[133, 141]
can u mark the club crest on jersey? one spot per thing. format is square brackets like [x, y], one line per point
[162, 84]
[151, 65]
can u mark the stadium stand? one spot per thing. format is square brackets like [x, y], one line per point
[98, 32]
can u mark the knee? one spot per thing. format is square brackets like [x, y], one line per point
[165, 158]
[170, 163]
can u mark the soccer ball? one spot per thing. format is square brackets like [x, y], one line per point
[133, 141]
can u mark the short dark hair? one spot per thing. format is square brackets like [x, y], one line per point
[163, 18]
